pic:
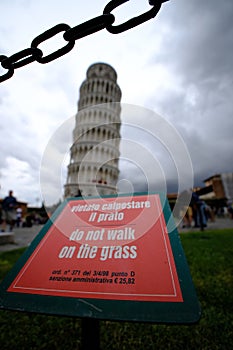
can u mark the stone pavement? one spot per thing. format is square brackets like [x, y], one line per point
[24, 236]
[219, 223]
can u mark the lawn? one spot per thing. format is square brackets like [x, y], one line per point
[210, 258]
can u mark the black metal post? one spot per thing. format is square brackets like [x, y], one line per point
[90, 334]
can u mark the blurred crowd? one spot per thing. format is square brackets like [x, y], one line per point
[11, 215]
[198, 213]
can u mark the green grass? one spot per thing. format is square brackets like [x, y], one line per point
[210, 258]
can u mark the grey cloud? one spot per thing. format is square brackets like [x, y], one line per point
[197, 49]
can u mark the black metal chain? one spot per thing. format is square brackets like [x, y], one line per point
[105, 21]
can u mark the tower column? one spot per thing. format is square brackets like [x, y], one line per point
[94, 155]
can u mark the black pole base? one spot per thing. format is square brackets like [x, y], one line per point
[90, 334]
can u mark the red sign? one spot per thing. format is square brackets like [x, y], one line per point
[104, 248]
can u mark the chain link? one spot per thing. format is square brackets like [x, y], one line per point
[105, 21]
[89, 27]
[133, 22]
[22, 58]
[49, 34]
[10, 69]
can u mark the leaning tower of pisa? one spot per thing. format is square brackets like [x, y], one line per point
[94, 154]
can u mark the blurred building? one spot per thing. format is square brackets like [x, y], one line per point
[218, 187]
[94, 154]
[217, 192]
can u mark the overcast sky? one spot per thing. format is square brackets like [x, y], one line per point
[178, 66]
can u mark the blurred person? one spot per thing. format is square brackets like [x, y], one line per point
[199, 215]
[18, 216]
[9, 205]
[230, 209]
[187, 216]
